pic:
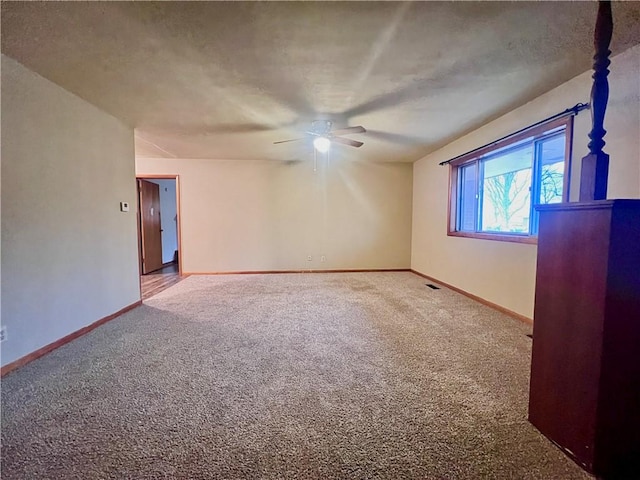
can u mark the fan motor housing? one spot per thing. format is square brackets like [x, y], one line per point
[321, 127]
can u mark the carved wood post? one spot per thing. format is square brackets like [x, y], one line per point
[595, 166]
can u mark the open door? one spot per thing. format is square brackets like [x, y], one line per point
[150, 227]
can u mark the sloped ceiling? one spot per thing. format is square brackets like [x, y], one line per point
[224, 80]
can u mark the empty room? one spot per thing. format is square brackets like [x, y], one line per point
[320, 240]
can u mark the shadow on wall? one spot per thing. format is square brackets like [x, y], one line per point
[346, 215]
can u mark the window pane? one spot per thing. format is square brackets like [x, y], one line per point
[467, 201]
[506, 191]
[497, 193]
[551, 169]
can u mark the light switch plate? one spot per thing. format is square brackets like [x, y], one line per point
[124, 206]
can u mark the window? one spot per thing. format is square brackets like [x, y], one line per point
[494, 191]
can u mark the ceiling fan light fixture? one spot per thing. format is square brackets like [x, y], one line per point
[322, 144]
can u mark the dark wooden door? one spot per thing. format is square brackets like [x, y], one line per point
[150, 227]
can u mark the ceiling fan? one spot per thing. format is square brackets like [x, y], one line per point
[323, 136]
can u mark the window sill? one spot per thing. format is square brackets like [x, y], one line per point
[496, 236]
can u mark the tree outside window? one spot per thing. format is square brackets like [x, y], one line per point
[496, 193]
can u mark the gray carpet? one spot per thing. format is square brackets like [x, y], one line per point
[351, 375]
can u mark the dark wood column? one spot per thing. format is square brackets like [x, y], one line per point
[585, 367]
[595, 166]
[585, 371]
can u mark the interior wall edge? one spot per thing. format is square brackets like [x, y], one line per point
[495, 306]
[275, 272]
[10, 367]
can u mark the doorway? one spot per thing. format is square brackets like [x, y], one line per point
[158, 233]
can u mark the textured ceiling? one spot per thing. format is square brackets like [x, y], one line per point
[226, 79]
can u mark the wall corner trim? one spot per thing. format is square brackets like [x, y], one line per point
[9, 367]
[273, 272]
[481, 300]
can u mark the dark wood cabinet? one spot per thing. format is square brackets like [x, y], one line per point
[585, 371]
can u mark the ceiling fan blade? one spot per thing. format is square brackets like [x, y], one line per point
[346, 141]
[344, 131]
[292, 140]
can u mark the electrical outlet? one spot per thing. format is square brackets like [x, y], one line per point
[309, 258]
[323, 258]
[3, 334]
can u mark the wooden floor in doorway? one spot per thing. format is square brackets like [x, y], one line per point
[155, 282]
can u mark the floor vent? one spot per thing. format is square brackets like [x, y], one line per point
[530, 335]
[432, 286]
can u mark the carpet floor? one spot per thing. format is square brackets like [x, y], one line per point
[348, 375]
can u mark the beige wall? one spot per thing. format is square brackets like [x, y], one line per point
[69, 256]
[265, 215]
[501, 272]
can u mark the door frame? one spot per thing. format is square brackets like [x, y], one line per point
[176, 177]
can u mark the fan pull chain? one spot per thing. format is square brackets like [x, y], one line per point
[315, 160]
